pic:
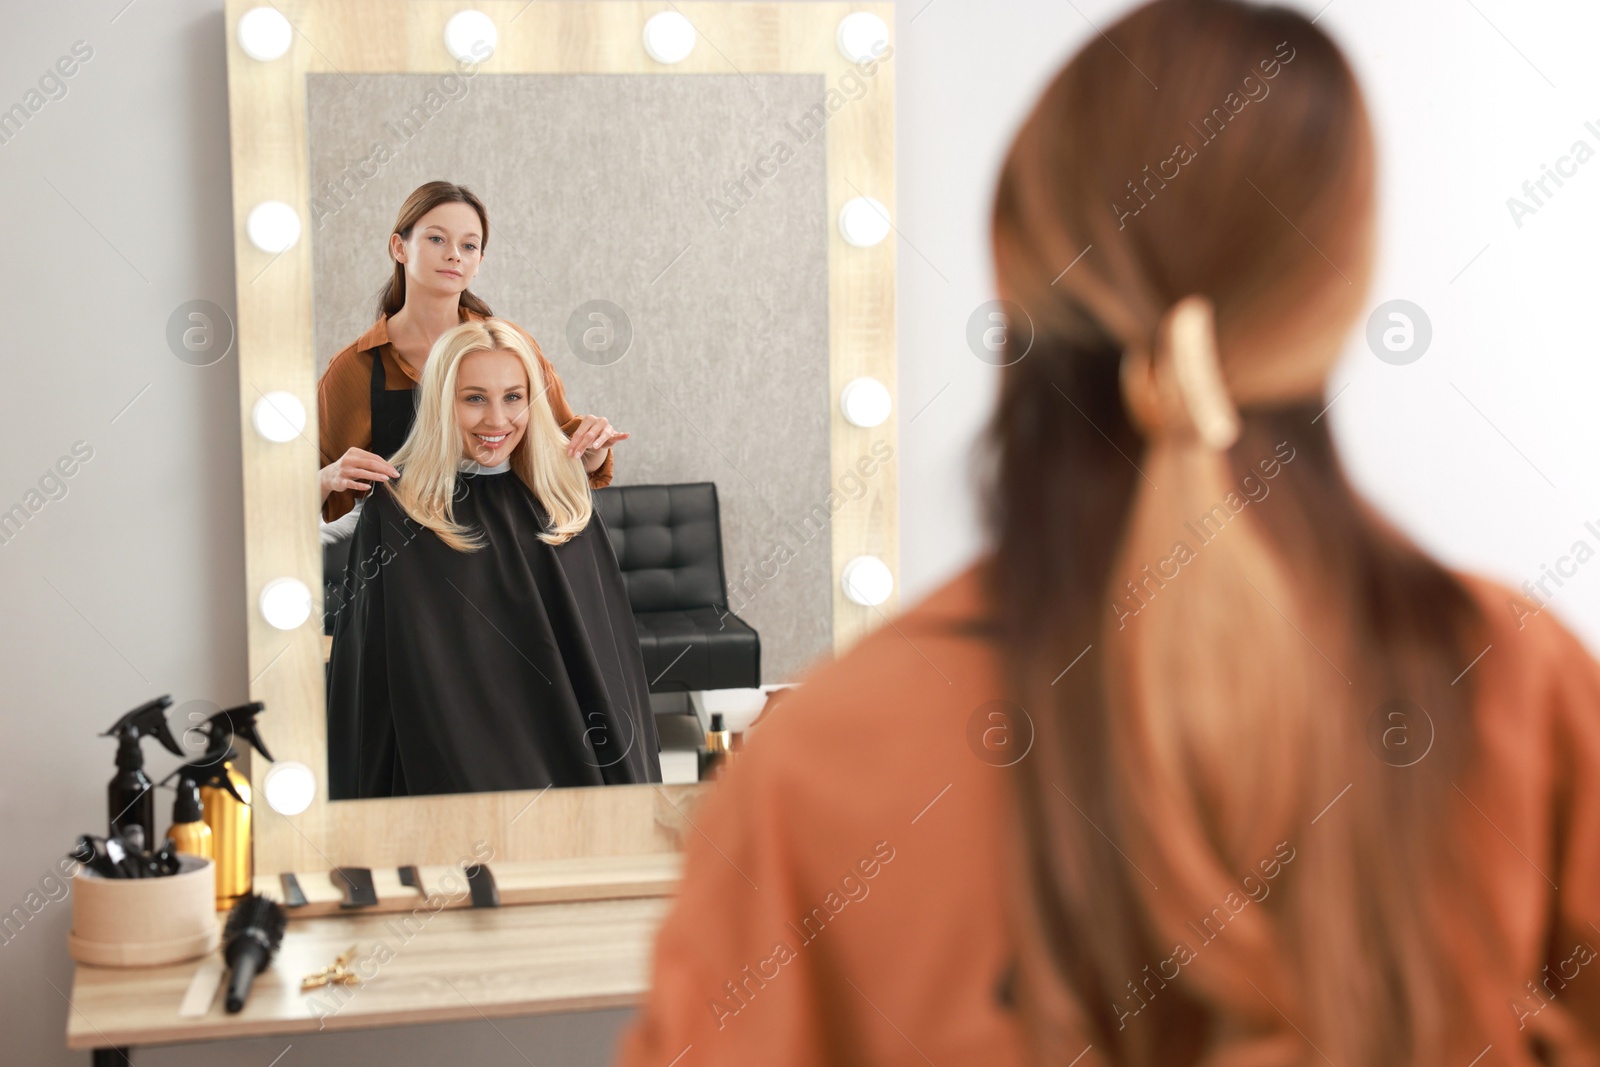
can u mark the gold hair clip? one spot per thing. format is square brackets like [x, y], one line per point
[1188, 337]
[1185, 372]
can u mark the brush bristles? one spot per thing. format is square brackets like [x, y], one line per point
[260, 913]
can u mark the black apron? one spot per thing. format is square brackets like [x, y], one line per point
[393, 412]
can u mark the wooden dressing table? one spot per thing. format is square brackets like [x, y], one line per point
[416, 965]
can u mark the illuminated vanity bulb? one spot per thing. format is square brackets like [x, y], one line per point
[668, 37]
[470, 36]
[867, 581]
[279, 417]
[866, 402]
[272, 226]
[862, 36]
[290, 787]
[264, 33]
[863, 221]
[285, 603]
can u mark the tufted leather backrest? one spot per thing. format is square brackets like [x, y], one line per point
[668, 541]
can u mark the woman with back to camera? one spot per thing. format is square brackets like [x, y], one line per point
[1202, 762]
[489, 643]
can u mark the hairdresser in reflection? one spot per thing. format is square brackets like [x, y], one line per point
[489, 643]
[1175, 772]
[367, 396]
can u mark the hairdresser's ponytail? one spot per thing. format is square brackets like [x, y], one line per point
[1219, 862]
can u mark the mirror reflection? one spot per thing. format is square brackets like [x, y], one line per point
[478, 577]
[504, 612]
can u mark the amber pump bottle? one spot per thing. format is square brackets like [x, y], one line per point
[189, 832]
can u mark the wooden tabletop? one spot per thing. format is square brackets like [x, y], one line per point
[420, 967]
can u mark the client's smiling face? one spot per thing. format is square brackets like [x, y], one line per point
[491, 404]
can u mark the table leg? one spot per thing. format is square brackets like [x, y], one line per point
[111, 1057]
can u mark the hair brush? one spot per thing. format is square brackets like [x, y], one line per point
[250, 939]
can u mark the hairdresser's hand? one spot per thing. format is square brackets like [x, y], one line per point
[593, 439]
[357, 469]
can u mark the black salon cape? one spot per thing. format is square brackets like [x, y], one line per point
[513, 667]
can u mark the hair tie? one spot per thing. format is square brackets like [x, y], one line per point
[1180, 390]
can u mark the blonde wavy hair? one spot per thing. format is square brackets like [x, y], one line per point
[430, 459]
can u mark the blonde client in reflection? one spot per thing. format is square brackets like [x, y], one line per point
[489, 643]
[367, 397]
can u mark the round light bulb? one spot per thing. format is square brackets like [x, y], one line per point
[273, 226]
[285, 603]
[470, 36]
[866, 402]
[867, 581]
[668, 37]
[290, 787]
[863, 221]
[279, 417]
[862, 36]
[264, 33]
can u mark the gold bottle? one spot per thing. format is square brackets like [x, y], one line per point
[229, 825]
[719, 748]
[225, 798]
[189, 832]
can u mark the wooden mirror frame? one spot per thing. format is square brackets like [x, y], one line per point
[266, 101]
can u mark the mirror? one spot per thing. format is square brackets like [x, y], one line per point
[688, 251]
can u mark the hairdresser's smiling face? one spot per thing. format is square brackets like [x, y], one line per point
[444, 250]
[491, 404]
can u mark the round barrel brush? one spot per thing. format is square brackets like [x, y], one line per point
[250, 939]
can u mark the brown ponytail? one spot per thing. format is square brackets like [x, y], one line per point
[1246, 616]
[423, 199]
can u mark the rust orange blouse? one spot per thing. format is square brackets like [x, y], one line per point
[344, 402]
[842, 900]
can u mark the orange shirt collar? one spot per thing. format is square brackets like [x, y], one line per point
[377, 334]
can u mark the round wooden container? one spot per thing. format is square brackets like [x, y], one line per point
[142, 922]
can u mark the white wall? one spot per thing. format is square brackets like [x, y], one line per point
[117, 210]
[1482, 449]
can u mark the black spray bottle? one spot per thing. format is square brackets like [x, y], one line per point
[131, 801]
